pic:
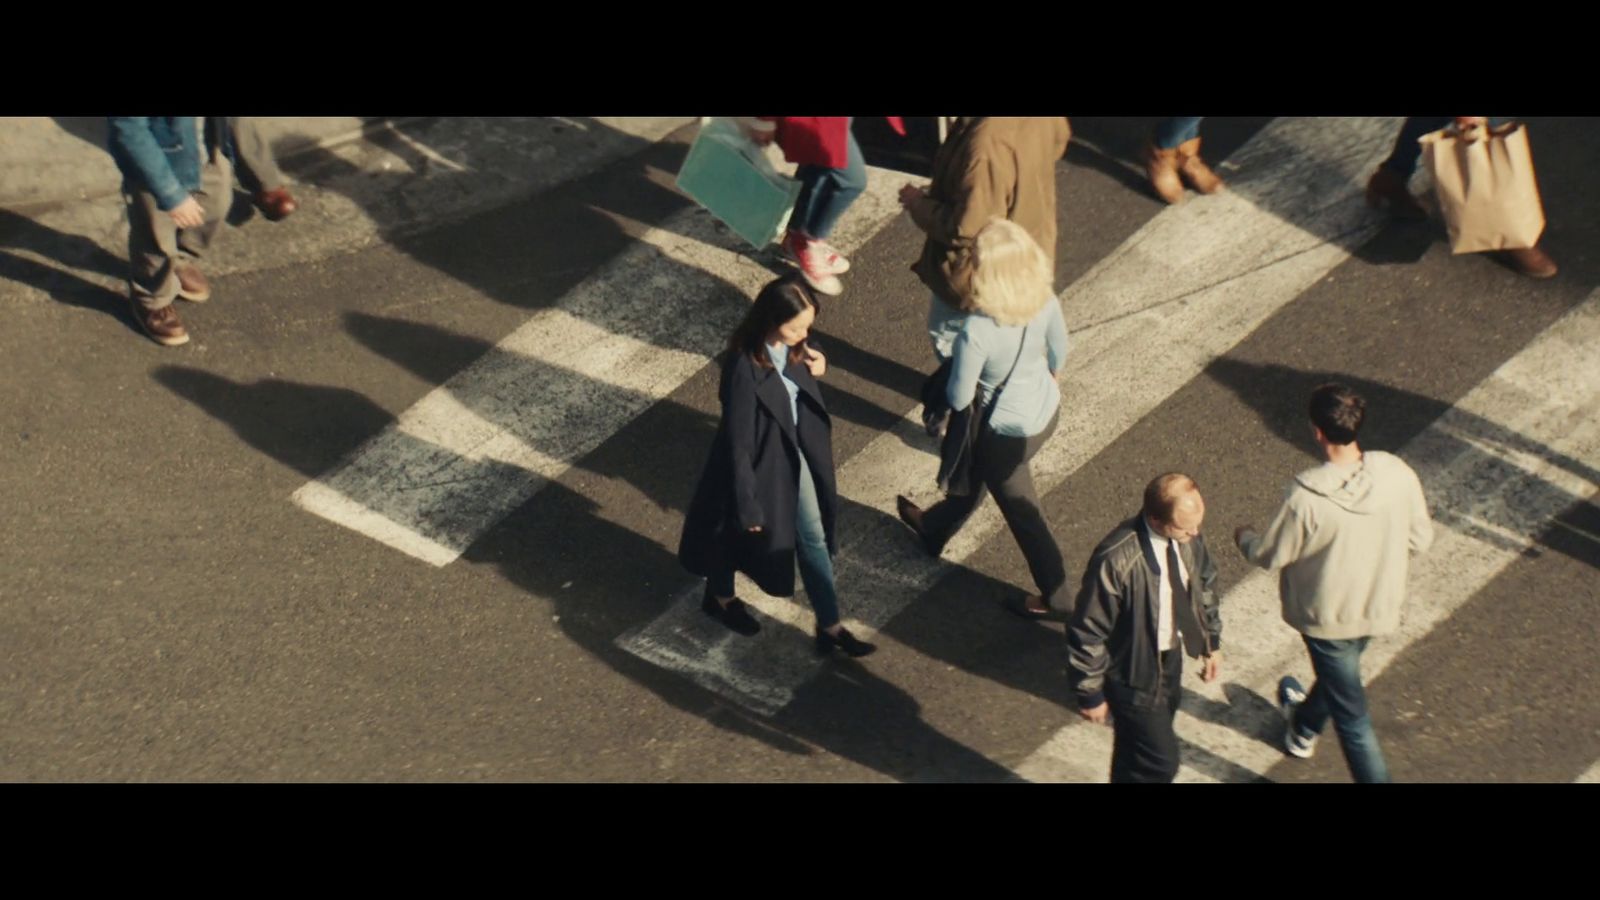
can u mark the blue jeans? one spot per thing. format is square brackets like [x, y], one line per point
[1338, 694]
[944, 326]
[811, 552]
[826, 193]
[1403, 160]
[1180, 129]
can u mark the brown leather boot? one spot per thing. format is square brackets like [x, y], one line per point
[1388, 189]
[163, 325]
[192, 284]
[1162, 168]
[276, 204]
[1532, 262]
[1194, 169]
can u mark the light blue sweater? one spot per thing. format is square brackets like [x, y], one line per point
[983, 355]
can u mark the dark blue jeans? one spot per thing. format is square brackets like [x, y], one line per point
[826, 193]
[1338, 694]
[811, 553]
[1177, 130]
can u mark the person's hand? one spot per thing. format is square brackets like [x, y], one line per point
[816, 362]
[910, 193]
[1465, 122]
[1098, 714]
[188, 214]
[755, 529]
[759, 137]
[1211, 666]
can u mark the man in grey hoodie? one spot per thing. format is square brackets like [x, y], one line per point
[1342, 540]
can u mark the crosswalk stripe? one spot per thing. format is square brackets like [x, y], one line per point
[1518, 450]
[482, 443]
[1193, 282]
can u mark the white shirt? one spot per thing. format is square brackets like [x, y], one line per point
[1166, 626]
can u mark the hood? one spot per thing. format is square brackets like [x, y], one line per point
[1353, 488]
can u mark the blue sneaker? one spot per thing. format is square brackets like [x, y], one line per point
[1290, 696]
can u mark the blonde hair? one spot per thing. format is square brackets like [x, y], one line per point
[1011, 276]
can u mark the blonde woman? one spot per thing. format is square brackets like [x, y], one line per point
[1012, 346]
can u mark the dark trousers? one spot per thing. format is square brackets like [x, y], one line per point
[1001, 464]
[1145, 748]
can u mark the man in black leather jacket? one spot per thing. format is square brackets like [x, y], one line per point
[1147, 597]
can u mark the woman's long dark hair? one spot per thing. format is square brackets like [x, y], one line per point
[778, 302]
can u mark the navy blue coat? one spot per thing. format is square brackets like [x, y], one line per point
[753, 477]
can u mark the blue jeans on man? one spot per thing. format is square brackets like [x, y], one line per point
[826, 193]
[1339, 695]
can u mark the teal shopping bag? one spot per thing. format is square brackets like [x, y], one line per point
[733, 179]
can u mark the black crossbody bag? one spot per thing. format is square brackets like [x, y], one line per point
[961, 435]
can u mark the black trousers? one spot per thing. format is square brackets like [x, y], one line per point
[1145, 749]
[1001, 465]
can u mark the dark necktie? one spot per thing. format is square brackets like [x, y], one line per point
[1182, 609]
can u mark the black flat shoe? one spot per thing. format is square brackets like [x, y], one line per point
[1019, 605]
[845, 641]
[734, 615]
[911, 514]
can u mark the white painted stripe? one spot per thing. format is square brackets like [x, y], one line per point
[1590, 777]
[1497, 467]
[482, 443]
[1147, 319]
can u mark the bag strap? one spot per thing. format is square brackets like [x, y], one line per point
[1023, 342]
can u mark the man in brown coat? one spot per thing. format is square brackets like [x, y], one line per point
[988, 167]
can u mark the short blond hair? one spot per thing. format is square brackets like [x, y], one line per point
[1011, 276]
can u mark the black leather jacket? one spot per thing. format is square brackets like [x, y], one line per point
[1113, 628]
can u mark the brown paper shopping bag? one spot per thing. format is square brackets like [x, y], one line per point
[1486, 189]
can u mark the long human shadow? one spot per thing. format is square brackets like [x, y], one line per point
[68, 289]
[89, 129]
[1394, 417]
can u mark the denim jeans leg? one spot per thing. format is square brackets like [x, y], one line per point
[1403, 160]
[944, 326]
[720, 584]
[1338, 694]
[811, 552]
[1177, 130]
[834, 191]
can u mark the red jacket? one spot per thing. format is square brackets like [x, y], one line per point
[819, 140]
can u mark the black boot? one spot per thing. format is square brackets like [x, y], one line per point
[734, 615]
[845, 641]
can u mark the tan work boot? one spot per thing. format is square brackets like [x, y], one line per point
[1162, 168]
[1532, 262]
[1194, 169]
[1388, 189]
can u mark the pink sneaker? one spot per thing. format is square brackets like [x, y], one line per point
[812, 259]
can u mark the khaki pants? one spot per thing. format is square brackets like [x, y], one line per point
[156, 244]
[257, 171]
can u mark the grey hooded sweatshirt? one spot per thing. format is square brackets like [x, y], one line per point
[1343, 540]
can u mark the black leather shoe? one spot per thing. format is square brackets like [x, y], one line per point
[845, 641]
[734, 615]
[911, 514]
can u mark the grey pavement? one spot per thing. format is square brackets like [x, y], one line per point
[168, 614]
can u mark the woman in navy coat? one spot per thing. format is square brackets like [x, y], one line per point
[767, 497]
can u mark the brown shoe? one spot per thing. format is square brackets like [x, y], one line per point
[1532, 262]
[1388, 189]
[192, 284]
[275, 204]
[1162, 168]
[161, 324]
[911, 514]
[1194, 169]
